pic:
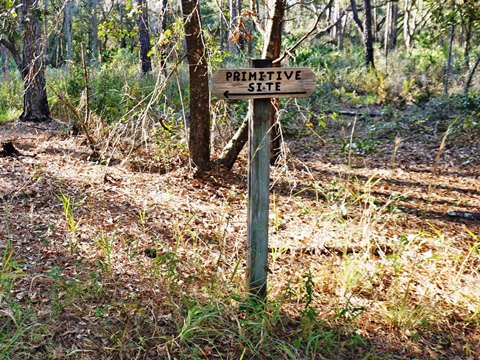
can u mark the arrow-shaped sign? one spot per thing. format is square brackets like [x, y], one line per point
[263, 83]
[227, 94]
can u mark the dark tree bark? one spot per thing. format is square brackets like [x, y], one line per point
[35, 103]
[144, 37]
[355, 17]
[199, 137]
[368, 35]
[121, 10]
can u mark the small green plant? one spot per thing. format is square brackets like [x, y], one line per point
[349, 312]
[105, 246]
[198, 323]
[142, 214]
[68, 211]
[258, 319]
[54, 295]
[309, 314]
[10, 268]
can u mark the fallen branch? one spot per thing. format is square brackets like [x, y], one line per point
[352, 113]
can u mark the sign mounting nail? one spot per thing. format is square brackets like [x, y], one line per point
[263, 83]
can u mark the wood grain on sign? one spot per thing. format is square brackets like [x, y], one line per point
[263, 83]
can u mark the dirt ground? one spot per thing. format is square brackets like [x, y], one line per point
[323, 201]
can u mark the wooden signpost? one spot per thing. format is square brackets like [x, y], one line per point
[260, 83]
[263, 83]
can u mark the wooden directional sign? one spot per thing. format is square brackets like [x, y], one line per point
[263, 83]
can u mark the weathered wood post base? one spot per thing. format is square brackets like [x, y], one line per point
[258, 192]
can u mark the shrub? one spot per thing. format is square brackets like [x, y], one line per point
[11, 90]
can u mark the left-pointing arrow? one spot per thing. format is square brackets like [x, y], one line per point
[228, 94]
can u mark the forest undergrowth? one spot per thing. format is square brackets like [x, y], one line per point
[374, 236]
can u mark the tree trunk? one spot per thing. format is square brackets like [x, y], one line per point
[373, 9]
[94, 31]
[233, 38]
[407, 34]
[355, 17]
[448, 64]
[391, 18]
[35, 103]
[10, 45]
[230, 152]
[393, 24]
[67, 23]
[4, 54]
[45, 52]
[166, 15]
[272, 48]
[221, 26]
[241, 43]
[338, 30]
[368, 35]
[388, 20]
[470, 75]
[121, 11]
[466, 46]
[199, 137]
[144, 37]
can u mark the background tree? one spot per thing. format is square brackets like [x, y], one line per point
[35, 103]
[368, 34]
[365, 29]
[10, 31]
[94, 8]
[272, 48]
[67, 24]
[391, 23]
[144, 37]
[4, 55]
[199, 136]
[448, 64]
